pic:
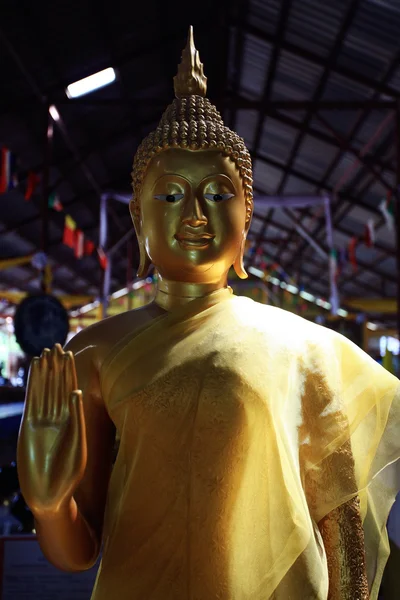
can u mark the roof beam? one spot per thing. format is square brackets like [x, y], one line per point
[310, 277]
[319, 60]
[328, 64]
[243, 8]
[269, 81]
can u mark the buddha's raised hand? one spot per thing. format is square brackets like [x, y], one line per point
[52, 439]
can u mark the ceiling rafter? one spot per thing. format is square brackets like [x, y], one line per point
[329, 63]
[242, 9]
[268, 88]
[364, 114]
[354, 76]
[337, 220]
[70, 264]
[61, 127]
[295, 259]
[310, 279]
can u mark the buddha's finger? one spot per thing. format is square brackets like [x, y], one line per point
[68, 381]
[78, 430]
[31, 409]
[55, 376]
[71, 371]
[43, 391]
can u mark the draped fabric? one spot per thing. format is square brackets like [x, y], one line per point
[235, 421]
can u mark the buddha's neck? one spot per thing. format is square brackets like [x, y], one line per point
[171, 294]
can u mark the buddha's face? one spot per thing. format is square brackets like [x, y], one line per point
[192, 215]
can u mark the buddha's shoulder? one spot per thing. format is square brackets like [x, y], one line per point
[102, 337]
[280, 323]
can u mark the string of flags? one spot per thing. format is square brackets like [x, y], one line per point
[338, 258]
[11, 178]
[349, 255]
[73, 237]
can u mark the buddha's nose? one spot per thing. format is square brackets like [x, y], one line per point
[193, 213]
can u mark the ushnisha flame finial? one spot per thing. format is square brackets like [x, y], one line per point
[190, 79]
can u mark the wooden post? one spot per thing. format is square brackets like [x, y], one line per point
[47, 148]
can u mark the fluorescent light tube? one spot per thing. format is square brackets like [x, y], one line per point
[91, 83]
[54, 113]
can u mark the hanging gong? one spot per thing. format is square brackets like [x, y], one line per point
[40, 321]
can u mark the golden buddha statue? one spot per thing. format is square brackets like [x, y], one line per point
[252, 442]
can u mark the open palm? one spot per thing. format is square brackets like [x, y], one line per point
[52, 441]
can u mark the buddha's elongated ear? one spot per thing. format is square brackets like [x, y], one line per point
[238, 265]
[144, 259]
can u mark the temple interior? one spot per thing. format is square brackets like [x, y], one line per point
[313, 88]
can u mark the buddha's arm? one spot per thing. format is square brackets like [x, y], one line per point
[71, 538]
[343, 536]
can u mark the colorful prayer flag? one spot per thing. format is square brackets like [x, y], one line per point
[102, 258]
[54, 202]
[387, 209]
[31, 184]
[69, 232]
[370, 233]
[78, 243]
[88, 247]
[8, 176]
[352, 252]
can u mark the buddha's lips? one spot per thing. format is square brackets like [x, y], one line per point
[198, 240]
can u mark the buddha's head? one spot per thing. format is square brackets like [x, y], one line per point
[192, 187]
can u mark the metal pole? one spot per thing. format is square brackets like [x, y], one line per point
[48, 139]
[397, 210]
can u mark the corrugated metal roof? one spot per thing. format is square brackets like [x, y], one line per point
[60, 46]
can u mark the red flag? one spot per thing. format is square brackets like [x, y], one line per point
[69, 232]
[78, 243]
[8, 178]
[31, 183]
[88, 247]
[352, 252]
[102, 258]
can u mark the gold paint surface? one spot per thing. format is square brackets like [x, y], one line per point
[235, 422]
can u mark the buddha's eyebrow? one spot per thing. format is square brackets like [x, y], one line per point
[214, 175]
[170, 175]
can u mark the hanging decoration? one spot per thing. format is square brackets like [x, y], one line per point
[8, 170]
[74, 238]
[387, 209]
[370, 233]
[32, 182]
[88, 247]
[102, 258]
[69, 232]
[352, 252]
[78, 243]
[54, 202]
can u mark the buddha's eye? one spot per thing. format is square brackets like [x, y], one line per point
[218, 197]
[169, 197]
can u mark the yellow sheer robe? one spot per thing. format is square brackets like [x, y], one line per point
[231, 417]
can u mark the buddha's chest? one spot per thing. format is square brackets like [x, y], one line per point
[196, 389]
[212, 387]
